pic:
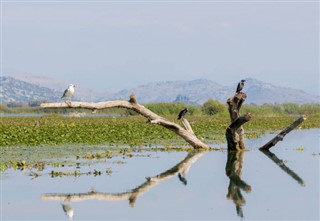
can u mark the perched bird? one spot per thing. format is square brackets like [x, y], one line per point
[182, 179]
[69, 91]
[240, 86]
[182, 113]
[68, 210]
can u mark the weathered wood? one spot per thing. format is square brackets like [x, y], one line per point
[235, 131]
[283, 133]
[281, 164]
[186, 124]
[182, 167]
[186, 133]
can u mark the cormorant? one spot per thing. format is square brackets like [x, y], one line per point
[182, 113]
[240, 86]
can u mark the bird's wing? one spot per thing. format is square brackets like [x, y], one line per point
[64, 93]
[238, 87]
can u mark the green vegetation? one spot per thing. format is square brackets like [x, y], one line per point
[212, 107]
[56, 141]
[208, 122]
[131, 131]
[173, 109]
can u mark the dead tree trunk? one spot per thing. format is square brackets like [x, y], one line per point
[235, 131]
[186, 133]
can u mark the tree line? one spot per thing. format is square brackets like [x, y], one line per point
[210, 107]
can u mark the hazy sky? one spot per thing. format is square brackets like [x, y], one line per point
[112, 45]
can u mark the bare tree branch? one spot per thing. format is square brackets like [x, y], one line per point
[187, 134]
[283, 133]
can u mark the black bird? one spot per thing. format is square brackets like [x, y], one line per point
[182, 179]
[240, 86]
[182, 113]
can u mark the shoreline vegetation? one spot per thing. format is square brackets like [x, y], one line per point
[51, 139]
[127, 128]
[211, 107]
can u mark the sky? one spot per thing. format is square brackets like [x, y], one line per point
[115, 45]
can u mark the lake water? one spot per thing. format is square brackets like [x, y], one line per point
[215, 185]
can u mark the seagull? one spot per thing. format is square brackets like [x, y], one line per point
[240, 86]
[68, 210]
[182, 113]
[69, 91]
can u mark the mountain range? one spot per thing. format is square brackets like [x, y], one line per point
[24, 89]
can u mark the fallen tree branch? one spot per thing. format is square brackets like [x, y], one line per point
[182, 167]
[283, 133]
[187, 134]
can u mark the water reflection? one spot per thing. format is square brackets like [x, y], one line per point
[281, 164]
[68, 210]
[234, 172]
[180, 170]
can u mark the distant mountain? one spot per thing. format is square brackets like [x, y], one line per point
[196, 91]
[190, 92]
[16, 90]
[83, 94]
[260, 93]
[199, 91]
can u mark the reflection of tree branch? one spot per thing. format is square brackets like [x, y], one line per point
[281, 164]
[182, 167]
[234, 171]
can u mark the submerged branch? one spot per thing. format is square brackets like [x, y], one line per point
[283, 133]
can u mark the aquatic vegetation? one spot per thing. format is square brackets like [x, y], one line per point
[131, 131]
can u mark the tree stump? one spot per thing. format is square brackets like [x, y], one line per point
[235, 131]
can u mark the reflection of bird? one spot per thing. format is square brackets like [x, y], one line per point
[182, 179]
[182, 113]
[240, 86]
[69, 91]
[68, 210]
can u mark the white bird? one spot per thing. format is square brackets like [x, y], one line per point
[68, 210]
[69, 91]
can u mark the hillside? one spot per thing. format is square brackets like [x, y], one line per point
[20, 91]
[199, 91]
[191, 92]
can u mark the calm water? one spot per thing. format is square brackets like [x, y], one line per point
[282, 185]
